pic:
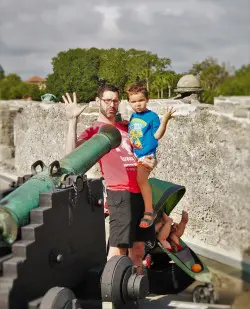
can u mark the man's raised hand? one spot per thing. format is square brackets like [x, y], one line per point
[73, 110]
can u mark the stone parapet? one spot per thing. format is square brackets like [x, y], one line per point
[206, 148]
[235, 106]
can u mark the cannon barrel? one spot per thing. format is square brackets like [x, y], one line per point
[15, 207]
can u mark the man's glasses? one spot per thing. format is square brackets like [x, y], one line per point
[109, 101]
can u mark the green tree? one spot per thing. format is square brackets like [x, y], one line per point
[162, 77]
[134, 65]
[238, 84]
[75, 70]
[13, 78]
[113, 67]
[211, 75]
[7, 85]
[82, 70]
[19, 91]
[141, 66]
[12, 87]
[2, 74]
[164, 82]
[149, 67]
[36, 93]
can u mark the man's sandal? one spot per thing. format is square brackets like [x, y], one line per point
[148, 222]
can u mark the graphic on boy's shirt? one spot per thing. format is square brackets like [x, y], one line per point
[135, 132]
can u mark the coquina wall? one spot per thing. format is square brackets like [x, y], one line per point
[206, 148]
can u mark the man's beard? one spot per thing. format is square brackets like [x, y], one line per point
[102, 111]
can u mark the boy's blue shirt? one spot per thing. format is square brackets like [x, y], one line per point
[141, 129]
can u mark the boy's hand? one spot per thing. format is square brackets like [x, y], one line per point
[170, 113]
[73, 110]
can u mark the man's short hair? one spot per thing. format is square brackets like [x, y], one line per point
[137, 88]
[104, 88]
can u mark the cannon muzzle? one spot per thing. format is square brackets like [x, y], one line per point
[112, 134]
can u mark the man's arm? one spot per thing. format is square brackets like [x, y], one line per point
[71, 136]
[162, 128]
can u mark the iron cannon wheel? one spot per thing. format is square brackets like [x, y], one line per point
[57, 298]
[114, 282]
[204, 294]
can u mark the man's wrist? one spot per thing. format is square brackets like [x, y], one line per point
[73, 121]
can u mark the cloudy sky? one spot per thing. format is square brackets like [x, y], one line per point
[186, 31]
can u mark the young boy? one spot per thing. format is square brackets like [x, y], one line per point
[145, 130]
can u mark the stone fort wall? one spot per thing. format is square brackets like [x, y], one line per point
[206, 148]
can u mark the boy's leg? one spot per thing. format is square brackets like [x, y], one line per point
[182, 225]
[116, 251]
[164, 232]
[142, 180]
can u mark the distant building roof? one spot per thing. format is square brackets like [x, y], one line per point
[35, 79]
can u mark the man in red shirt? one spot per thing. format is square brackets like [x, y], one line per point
[118, 168]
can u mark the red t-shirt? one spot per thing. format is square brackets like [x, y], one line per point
[118, 167]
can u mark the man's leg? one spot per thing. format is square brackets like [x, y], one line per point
[116, 251]
[136, 253]
[120, 237]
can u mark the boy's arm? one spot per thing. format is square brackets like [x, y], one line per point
[162, 128]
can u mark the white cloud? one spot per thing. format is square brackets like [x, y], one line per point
[32, 32]
[109, 25]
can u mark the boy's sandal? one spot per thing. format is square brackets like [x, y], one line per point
[149, 222]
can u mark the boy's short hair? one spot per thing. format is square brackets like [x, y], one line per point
[107, 87]
[137, 88]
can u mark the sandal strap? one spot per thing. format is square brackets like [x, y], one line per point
[149, 213]
[146, 220]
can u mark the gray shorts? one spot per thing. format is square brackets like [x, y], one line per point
[126, 210]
